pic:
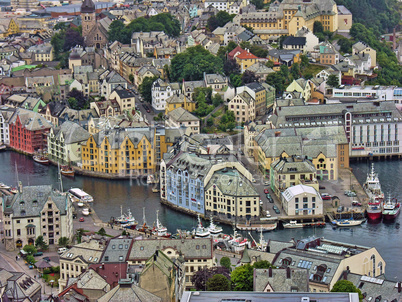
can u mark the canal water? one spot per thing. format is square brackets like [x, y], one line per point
[110, 194]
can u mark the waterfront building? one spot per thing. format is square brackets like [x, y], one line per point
[36, 211]
[291, 171]
[326, 261]
[52, 110]
[120, 152]
[180, 117]
[64, 142]
[280, 280]
[185, 176]
[168, 272]
[197, 253]
[372, 128]
[301, 200]
[230, 194]
[77, 259]
[26, 102]
[18, 286]
[28, 131]
[5, 114]
[161, 91]
[326, 147]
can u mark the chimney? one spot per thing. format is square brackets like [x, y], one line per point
[270, 272]
[288, 273]
[399, 286]
[20, 187]
[103, 266]
[345, 275]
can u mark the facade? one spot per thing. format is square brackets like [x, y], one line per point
[42, 52]
[77, 259]
[182, 118]
[109, 81]
[292, 171]
[179, 101]
[293, 197]
[301, 85]
[94, 33]
[262, 93]
[243, 107]
[345, 21]
[5, 114]
[35, 211]
[161, 91]
[245, 60]
[124, 97]
[281, 280]
[28, 131]
[230, 194]
[215, 81]
[197, 253]
[311, 39]
[64, 142]
[120, 152]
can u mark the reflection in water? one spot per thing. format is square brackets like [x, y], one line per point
[110, 194]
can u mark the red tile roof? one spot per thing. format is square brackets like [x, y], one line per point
[246, 55]
[111, 272]
[234, 51]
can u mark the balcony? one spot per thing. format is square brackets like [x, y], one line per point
[308, 181]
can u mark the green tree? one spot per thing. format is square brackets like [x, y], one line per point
[60, 26]
[259, 4]
[270, 64]
[40, 243]
[225, 262]
[235, 80]
[317, 27]
[346, 286]
[217, 100]
[333, 81]
[29, 249]
[131, 78]
[304, 61]
[218, 283]
[145, 88]
[64, 241]
[201, 277]
[242, 278]
[102, 232]
[295, 71]
[30, 259]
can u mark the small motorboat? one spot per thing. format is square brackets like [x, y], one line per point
[41, 159]
[347, 222]
[67, 171]
[293, 224]
[80, 204]
[85, 211]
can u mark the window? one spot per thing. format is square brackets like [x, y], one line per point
[197, 247]
[141, 248]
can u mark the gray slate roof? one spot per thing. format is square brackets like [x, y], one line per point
[278, 280]
[72, 133]
[128, 292]
[117, 248]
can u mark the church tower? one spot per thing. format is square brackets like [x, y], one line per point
[88, 17]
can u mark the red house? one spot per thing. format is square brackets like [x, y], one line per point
[28, 131]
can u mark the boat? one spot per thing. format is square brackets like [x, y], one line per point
[41, 159]
[155, 190]
[200, 231]
[391, 209]
[213, 228]
[237, 242]
[372, 187]
[85, 211]
[160, 230]
[262, 244]
[81, 195]
[67, 171]
[144, 227]
[347, 222]
[4, 186]
[127, 219]
[374, 210]
[80, 204]
[257, 227]
[293, 224]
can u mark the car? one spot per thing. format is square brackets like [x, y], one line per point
[253, 180]
[47, 259]
[352, 194]
[268, 214]
[325, 196]
[148, 110]
[38, 254]
[261, 203]
[321, 187]
[266, 183]
[356, 203]
[275, 207]
[266, 191]
[82, 219]
[277, 211]
[61, 250]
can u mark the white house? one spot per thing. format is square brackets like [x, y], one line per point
[109, 81]
[5, 115]
[302, 200]
[311, 39]
[161, 91]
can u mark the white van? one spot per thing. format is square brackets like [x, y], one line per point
[62, 250]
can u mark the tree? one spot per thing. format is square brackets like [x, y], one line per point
[131, 78]
[40, 243]
[262, 264]
[145, 88]
[235, 80]
[249, 77]
[259, 4]
[60, 26]
[72, 38]
[118, 32]
[225, 262]
[304, 61]
[295, 71]
[210, 122]
[78, 100]
[219, 20]
[218, 283]
[217, 100]
[30, 259]
[317, 27]
[270, 64]
[333, 81]
[346, 286]
[200, 278]
[231, 67]
[64, 241]
[30, 249]
[242, 278]
[102, 232]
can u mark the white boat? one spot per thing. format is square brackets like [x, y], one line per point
[81, 195]
[200, 231]
[238, 243]
[257, 227]
[4, 186]
[160, 230]
[293, 224]
[213, 228]
[80, 204]
[85, 211]
[347, 222]
[372, 186]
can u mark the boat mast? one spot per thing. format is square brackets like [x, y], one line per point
[59, 173]
[143, 216]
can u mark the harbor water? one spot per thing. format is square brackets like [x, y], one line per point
[109, 195]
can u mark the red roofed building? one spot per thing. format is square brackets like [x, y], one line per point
[235, 52]
[246, 59]
[111, 272]
[28, 131]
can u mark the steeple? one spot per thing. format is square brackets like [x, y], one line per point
[87, 7]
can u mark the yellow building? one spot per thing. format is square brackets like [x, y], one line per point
[179, 100]
[287, 17]
[13, 28]
[301, 85]
[245, 60]
[119, 152]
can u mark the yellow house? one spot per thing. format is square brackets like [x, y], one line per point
[179, 100]
[13, 28]
[246, 59]
[301, 85]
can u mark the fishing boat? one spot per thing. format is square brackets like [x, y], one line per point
[200, 231]
[347, 222]
[127, 220]
[85, 211]
[293, 224]
[41, 159]
[67, 171]
[144, 227]
[237, 242]
[160, 230]
[391, 209]
[372, 187]
[213, 228]
[256, 227]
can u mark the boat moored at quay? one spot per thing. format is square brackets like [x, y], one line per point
[372, 187]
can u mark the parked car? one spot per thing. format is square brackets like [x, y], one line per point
[325, 196]
[268, 214]
[37, 254]
[321, 187]
[356, 203]
[266, 183]
[275, 207]
[47, 259]
[61, 250]
[266, 191]
[82, 219]
[277, 211]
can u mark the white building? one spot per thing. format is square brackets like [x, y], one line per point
[110, 80]
[301, 200]
[5, 115]
[365, 93]
[180, 117]
[161, 91]
[311, 39]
